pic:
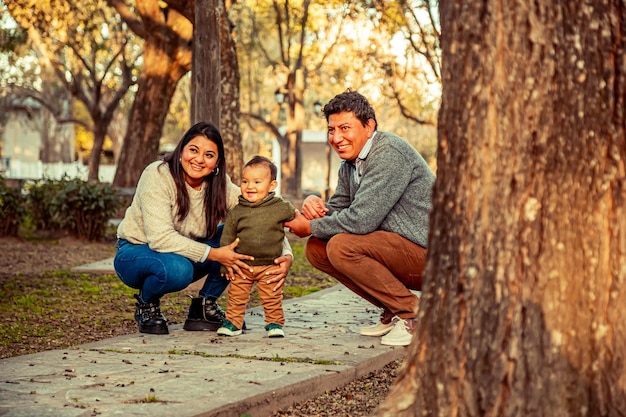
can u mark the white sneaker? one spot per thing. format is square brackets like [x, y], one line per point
[274, 330]
[384, 325]
[401, 334]
[380, 329]
[229, 329]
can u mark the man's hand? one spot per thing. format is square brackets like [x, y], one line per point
[300, 225]
[313, 207]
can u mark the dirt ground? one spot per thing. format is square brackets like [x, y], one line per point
[34, 256]
[26, 259]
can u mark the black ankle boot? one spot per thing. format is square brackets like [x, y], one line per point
[204, 314]
[150, 318]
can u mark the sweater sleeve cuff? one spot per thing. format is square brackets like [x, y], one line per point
[286, 248]
[206, 253]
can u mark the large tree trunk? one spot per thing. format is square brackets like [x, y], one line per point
[524, 302]
[167, 57]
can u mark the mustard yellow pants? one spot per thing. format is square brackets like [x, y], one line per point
[239, 295]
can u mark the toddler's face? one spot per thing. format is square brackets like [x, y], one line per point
[256, 183]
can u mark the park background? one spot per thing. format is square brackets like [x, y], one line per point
[522, 310]
[81, 79]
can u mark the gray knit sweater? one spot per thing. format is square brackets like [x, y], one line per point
[393, 194]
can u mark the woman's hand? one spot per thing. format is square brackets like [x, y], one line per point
[231, 260]
[279, 272]
[313, 207]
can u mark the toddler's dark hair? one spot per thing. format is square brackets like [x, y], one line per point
[261, 160]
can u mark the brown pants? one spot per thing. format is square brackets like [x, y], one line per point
[239, 295]
[380, 267]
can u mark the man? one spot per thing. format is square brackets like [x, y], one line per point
[372, 235]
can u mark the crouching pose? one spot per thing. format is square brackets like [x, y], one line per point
[372, 234]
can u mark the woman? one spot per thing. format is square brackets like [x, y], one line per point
[170, 234]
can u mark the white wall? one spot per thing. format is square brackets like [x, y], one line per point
[55, 171]
[21, 139]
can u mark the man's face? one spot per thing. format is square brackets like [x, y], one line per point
[347, 135]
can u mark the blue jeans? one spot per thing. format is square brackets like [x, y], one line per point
[155, 274]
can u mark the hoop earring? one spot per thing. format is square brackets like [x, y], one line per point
[216, 171]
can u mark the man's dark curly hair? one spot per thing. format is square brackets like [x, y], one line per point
[351, 101]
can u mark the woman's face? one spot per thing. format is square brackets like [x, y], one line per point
[198, 158]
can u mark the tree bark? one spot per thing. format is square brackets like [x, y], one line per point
[173, 55]
[99, 134]
[523, 307]
[291, 142]
[230, 108]
[167, 57]
[205, 74]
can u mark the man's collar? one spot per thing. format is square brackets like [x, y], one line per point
[367, 147]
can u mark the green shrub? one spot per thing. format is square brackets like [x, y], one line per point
[41, 213]
[11, 209]
[84, 208]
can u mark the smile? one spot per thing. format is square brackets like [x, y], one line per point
[196, 167]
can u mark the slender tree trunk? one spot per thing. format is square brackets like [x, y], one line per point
[205, 73]
[230, 107]
[99, 134]
[291, 145]
[524, 301]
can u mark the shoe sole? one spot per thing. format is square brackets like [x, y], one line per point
[199, 325]
[375, 333]
[229, 333]
[154, 330]
[394, 343]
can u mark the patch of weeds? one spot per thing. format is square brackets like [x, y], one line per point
[118, 285]
[151, 398]
[61, 273]
[299, 291]
[43, 293]
[68, 283]
[27, 302]
[8, 333]
[45, 331]
[89, 288]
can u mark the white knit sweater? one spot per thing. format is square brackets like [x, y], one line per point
[151, 217]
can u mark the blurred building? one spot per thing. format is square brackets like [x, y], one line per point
[31, 139]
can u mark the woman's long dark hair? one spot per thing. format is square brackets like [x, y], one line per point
[215, 206]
